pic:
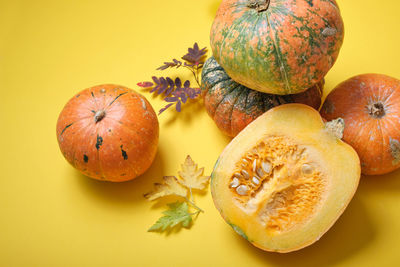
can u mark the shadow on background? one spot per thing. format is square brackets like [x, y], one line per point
[350, 233]
[129, 193]
[190, 111]
[388, 182]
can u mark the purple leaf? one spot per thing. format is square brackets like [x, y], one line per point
[184, 98]
[178, 83]
[171, 99]
[164, 85]
[156, 80]
[145, 84]
[170, 82]
[195, 56]
[178, 106]
[155, 88]
[175, 63]
[164, 108]
[186, 84]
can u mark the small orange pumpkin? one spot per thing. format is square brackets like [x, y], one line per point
[108, 132]
[370, 107]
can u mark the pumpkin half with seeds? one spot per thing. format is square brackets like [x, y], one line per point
[108, 132]
[275, 46]
[233, 106]
[286, 178]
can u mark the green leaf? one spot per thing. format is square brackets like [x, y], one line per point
[177, 214]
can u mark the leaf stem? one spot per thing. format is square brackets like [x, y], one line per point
[194, 74]
[194, 205]
[191, 194]
[195, 213]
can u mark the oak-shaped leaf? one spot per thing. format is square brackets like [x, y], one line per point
[169, 187]
[191, 176]
[177, 214]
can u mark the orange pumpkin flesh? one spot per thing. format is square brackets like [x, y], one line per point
[370, 106]
[108, 132]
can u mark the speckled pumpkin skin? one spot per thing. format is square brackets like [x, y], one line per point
[233, 106]
[117, 148]
[376, 139]
[285, 49]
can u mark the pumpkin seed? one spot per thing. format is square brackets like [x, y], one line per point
[307, 169]
[255, 180]
[260, 172]
[254, 165]
[245, 174]
[237, 175]
[234, 183]
[242, 190]
[266, 166]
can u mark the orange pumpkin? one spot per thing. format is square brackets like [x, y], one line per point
[108, 132]
[370, 107]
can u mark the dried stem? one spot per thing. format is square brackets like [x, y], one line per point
[259, 5]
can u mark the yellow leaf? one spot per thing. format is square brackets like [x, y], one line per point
[191, 176]
[170, 186]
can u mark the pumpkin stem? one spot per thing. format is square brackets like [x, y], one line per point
[376, 110]
[99, 116]
[259, 5]
[335, 127]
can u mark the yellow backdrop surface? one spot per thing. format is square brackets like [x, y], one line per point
[51, 215]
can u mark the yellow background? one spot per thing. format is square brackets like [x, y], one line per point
[50, 215]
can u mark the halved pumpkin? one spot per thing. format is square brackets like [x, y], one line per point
[286, 178]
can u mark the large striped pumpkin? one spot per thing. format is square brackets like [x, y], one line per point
[277, 46]
[233, 106]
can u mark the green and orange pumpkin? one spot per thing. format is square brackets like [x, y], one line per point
[370, 107]
[275, 46]
[108, 132]
[233, 106]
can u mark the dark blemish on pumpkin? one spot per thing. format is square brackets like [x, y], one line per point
[85, 158]
[109, 130]
[124, 155]
[329, 107]
[395, 150]
[99, 142]
[94, 112]
[310, 2]
[123, 174]
[117, 98]
[363, 164]
[92, 94]
[78, 96]
[65, 128]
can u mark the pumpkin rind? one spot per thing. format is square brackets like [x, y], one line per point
[233, 106]
[373, 133]
[118, 147]
[285, 49]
